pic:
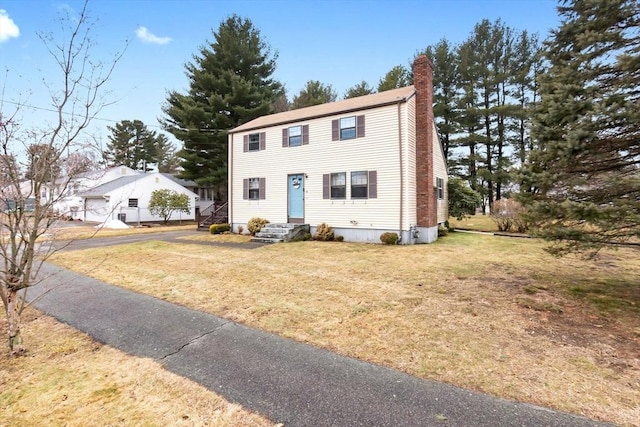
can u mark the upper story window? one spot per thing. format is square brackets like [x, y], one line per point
[440, 188]
[254, 142]
[347, 128]
[295, 136]
[133, 203]
[339, 185]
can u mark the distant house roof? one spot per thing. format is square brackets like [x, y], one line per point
[184, 182]
[348, 105]
[107, 187]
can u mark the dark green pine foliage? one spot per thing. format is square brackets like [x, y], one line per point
[445, 93]
[399, 76]
[131, 144]
[585, 170]
[230, 83]
[361, 89]
[314, 93]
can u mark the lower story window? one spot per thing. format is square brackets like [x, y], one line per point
[339, 185]
[254, 188]
[359, 185]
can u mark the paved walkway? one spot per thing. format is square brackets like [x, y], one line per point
[288, 382]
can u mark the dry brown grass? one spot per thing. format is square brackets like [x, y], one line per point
[477, 222]
[69, 380]
[493, 314]
[75, 232]
[219, 238]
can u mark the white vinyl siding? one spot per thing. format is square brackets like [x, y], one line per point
[377, 151]
[440, 171]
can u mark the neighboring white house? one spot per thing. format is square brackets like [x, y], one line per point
[127, 198]
[72, 205]
[364, 166]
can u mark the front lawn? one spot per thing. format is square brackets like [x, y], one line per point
[493, 314]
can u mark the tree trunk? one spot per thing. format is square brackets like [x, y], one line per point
[13, 317]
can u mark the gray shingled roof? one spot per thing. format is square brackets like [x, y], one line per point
[103, 189]
[184, 182]
[353, 104]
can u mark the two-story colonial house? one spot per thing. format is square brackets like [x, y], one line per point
[364, 165]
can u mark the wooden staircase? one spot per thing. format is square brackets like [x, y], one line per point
[280, 232]
[217, 213]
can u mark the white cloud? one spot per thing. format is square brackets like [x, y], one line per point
[147, 37]
[8, 28]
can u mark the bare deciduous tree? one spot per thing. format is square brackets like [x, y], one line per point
[27, 205]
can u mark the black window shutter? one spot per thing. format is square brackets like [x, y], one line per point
[326, 186]
[305, 134]
[263, 140]
[245, 143]
[360, 126]
[373, 184]
[285, 137]
[245, 189]
[335, 130]
[262, 189]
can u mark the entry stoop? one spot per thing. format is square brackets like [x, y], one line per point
[276, 233]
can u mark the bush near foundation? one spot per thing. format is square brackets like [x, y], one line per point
[255, 224]
[389, 238]
[324, 232]
[219, 228]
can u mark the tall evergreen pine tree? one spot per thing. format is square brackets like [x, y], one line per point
[585, 170]
[230, 83]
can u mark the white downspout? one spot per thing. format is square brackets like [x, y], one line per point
[230, 184]
[401, 170]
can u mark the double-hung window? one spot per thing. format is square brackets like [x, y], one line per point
[339, 185]
[348, 127]
[359, 185]
[253, 189]
[440, 188]
[295, 136]
[254, 142]
[363, 185]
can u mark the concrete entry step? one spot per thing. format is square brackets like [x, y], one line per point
[280, 232]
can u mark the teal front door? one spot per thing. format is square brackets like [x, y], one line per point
[296, 198]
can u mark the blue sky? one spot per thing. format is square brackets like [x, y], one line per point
[336, 42]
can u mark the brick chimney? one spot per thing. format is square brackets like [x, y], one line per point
[425, 183]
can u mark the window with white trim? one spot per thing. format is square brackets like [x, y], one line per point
[348, 127]
[339, 185]
[295, 136]
[133, 203]
[254, 142]
[440, 188]
[254, 188]
[359, 185]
